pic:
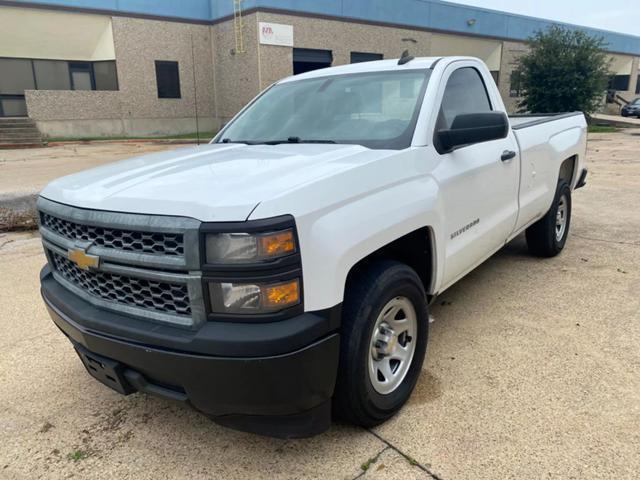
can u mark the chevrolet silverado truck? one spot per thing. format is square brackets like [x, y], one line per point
[280, 275]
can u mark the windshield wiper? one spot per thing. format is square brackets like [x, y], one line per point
[246, 142]
[275, 142]
[296, 140]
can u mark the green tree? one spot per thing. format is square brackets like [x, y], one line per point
[565, 70]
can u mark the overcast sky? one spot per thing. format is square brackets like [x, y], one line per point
[616, 15]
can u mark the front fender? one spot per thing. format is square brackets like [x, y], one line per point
[332, 242]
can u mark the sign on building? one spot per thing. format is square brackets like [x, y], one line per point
[275, 34]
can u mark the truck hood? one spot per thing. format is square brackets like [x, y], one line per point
[215, 182]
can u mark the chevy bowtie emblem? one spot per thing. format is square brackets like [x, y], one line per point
[82, 259]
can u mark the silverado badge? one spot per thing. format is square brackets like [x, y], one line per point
[82, 259]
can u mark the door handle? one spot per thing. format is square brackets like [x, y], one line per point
[507, 155]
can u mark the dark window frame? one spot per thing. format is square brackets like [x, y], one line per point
[81, 67]
[89, 66]
[69, 68]
[161, 91]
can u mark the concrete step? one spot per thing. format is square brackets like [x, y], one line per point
[16, 121]
[21, 139]
[14, 126]
[18, 132]
[18, 126]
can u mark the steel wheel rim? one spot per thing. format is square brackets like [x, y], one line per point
[392, 345]
[561, 218]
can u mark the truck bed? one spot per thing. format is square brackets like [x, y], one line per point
[521, 121]
[545, 141]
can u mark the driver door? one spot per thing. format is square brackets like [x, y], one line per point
[479, 187]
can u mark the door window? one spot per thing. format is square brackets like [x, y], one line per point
[465, 93]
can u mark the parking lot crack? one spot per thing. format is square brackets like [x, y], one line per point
[365, 466]
[408, 458]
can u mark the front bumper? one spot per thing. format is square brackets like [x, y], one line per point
[282, 394]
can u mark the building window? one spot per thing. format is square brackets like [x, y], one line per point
[105, 75]
[359, 57]
[18, 75]
[638, 85]
[168, 79]
[81, 76]
[496, 76]
[52, 74]
[308, 59]
[619, 82]
[515, 89]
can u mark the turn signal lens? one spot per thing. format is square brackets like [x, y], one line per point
[281, 295]
[253, 298]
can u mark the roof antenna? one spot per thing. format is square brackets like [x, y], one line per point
[405, 58]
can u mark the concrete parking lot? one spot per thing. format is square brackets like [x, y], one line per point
[532, 371]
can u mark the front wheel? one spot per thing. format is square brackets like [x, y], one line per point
[383, 343]
[546, 237]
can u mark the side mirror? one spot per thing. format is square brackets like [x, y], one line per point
[469, 128]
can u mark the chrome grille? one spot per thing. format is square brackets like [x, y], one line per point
[128, 240]
[171, 298]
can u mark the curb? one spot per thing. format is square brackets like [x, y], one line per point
[18, 212]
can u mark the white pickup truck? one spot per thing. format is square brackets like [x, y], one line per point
[282, 273]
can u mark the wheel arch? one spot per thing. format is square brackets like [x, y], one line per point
[568, 170]
[416, 249]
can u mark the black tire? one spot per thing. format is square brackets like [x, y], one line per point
[368, 291]
[541, 236]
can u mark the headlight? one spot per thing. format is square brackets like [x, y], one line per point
[248, 247]
[253, 298]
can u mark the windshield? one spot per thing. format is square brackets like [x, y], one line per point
[376, 110]
[636, 102]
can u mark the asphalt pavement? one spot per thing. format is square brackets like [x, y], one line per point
[532, 371]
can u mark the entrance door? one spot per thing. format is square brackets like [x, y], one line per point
[16, 76]
[13, 106]
[307, 59]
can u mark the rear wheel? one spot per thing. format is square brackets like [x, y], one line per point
[547, 237]
[383, 343]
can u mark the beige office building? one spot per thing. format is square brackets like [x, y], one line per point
[109, 68]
